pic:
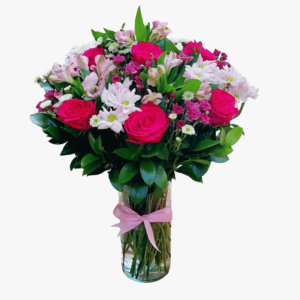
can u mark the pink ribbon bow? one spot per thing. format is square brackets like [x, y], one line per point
[130, 219]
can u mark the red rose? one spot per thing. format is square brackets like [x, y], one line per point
[189, 47]
[92, 53]
[222, 108]
[143, 50]
[207, 55]
[146, 126]
[77, 113]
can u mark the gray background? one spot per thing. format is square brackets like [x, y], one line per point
[234, 237]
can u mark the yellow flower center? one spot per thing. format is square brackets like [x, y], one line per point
[198, 75]
[201, 67]
[125, 103]
[112, 118]
[230, 79]
[235, 95]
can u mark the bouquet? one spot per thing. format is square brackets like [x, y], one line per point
[143, 106]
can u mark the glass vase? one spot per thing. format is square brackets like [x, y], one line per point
[141, 262]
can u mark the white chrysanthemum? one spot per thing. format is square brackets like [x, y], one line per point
[66, 89]
[94, 121]
[47, 74]
[179, 46]
[113, 119]
[204, 74]
[188, 95]
[188, 129]
[173, 116]
[45, 104]
[231, 76]
[240, 93]
[253, 92]
[78, 50]
[113, 47]
[65, 97]
[183, 40]
[204, 63]
[99, 41]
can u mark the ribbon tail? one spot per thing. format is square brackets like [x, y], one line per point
[150, 234]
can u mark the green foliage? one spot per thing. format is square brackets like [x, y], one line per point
[128, 172]
[188, 171]
[167, 45]
[234, 135]
[127, 153]
[84, 72]
[205, 144]
[91, 167]
[138, 191]
[191, 86]
[199, 169]
[97, 34]
[46, 86]
[163, 152]
[161, 178]
[68, 149]
[161, 58]
[43, 120]
[147, 168]
[140, 28]
[151, 149]
[219, 160]
[114, 180]
[88, 159]
[110, 34]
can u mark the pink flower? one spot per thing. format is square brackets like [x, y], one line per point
[177, 109]
[124, 37]
[159, 32]
[148, 64]
[92, 53]
[217, 53]
[155, 74]
[132, 67]
[172, 96]
[204, 105]
[207, 55]
[49, 95]
[204, 90]
[204, 118]
[224, 56]
[38, 106]
[152, 97]
[61, 74]
[57, 94]
[193, 112]
[171, 61]
[92, 87]
[139, 83]
[118, 59]
[103, 66]
[82, 61]
[115, 78]
[184, 58]
[180, 124]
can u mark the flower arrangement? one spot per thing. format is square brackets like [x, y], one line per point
[143, 106]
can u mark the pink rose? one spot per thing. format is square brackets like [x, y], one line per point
[189, 47]
[142, 52]
[77, 113]
[92, 53]
[147, 126]
[222, 108]
[207, 55]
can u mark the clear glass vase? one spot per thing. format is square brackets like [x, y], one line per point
[141, 262]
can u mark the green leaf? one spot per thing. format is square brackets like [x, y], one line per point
[151, 149]
[163, 152]
[140, 28]
[219, 160]
[46, 86]
[68, 149]
[56, 132]
[43, 120]
[99, 103]
[187, 170]
[138, 192]
[191, 86]
[88, 159]
[160, 176]
[127, 153]
[158, 192]
[84, 72]
[215, 149]
[128, 172]
[147, 168]
[94, 145]
[91, 167]
[215, 86]
[201, 161]
[167, 45]
[222, 135]
[144, 77]
[225, 151]
[199, 169]
[60, 86]
[122, 28]
[110, 34]
[56, 142]
[114, 180]
[172, 74]
[75, 163]
[234, 135]
[97, 34]
[205, 144]
[108, 79]
[161, 58]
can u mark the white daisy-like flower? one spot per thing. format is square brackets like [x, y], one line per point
[240, 93]
[204, 63]
[188, 129]
[66, 89]
[113, 119]
[47, 74]
[231, 76]
[188, 95]
[253, 92]
[45, 104]
[179, 46]
[203, 74]
[184, 40]
[174, 40]
[113, 47]
[173, 117]
[94, 121]
[99, 41]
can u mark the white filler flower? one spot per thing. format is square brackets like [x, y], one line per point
[173, 116]
[45, 104]
[188, 95]
[188, 129]
[94, 121]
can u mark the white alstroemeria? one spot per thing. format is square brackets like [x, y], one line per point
[113, 119]
[61, 74]
[99, 41]
[94, 121]
[47, 74]
[179, 46]
[103, 66]
[155, 74]
[37, 79]
[173, 117]
[188, 96]
[188, 129]
[66, 89]
[45, 104]
[113, 47]
[171, 61]
[231, 76]
[183, 40]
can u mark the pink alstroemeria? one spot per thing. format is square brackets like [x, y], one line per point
[171, 61]
[92, 86]
[82, 61]
[61, 74]
[155, 74]
[124, 37]
[159, 32]
[103, 66]
[152, 97]
[203, 91]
